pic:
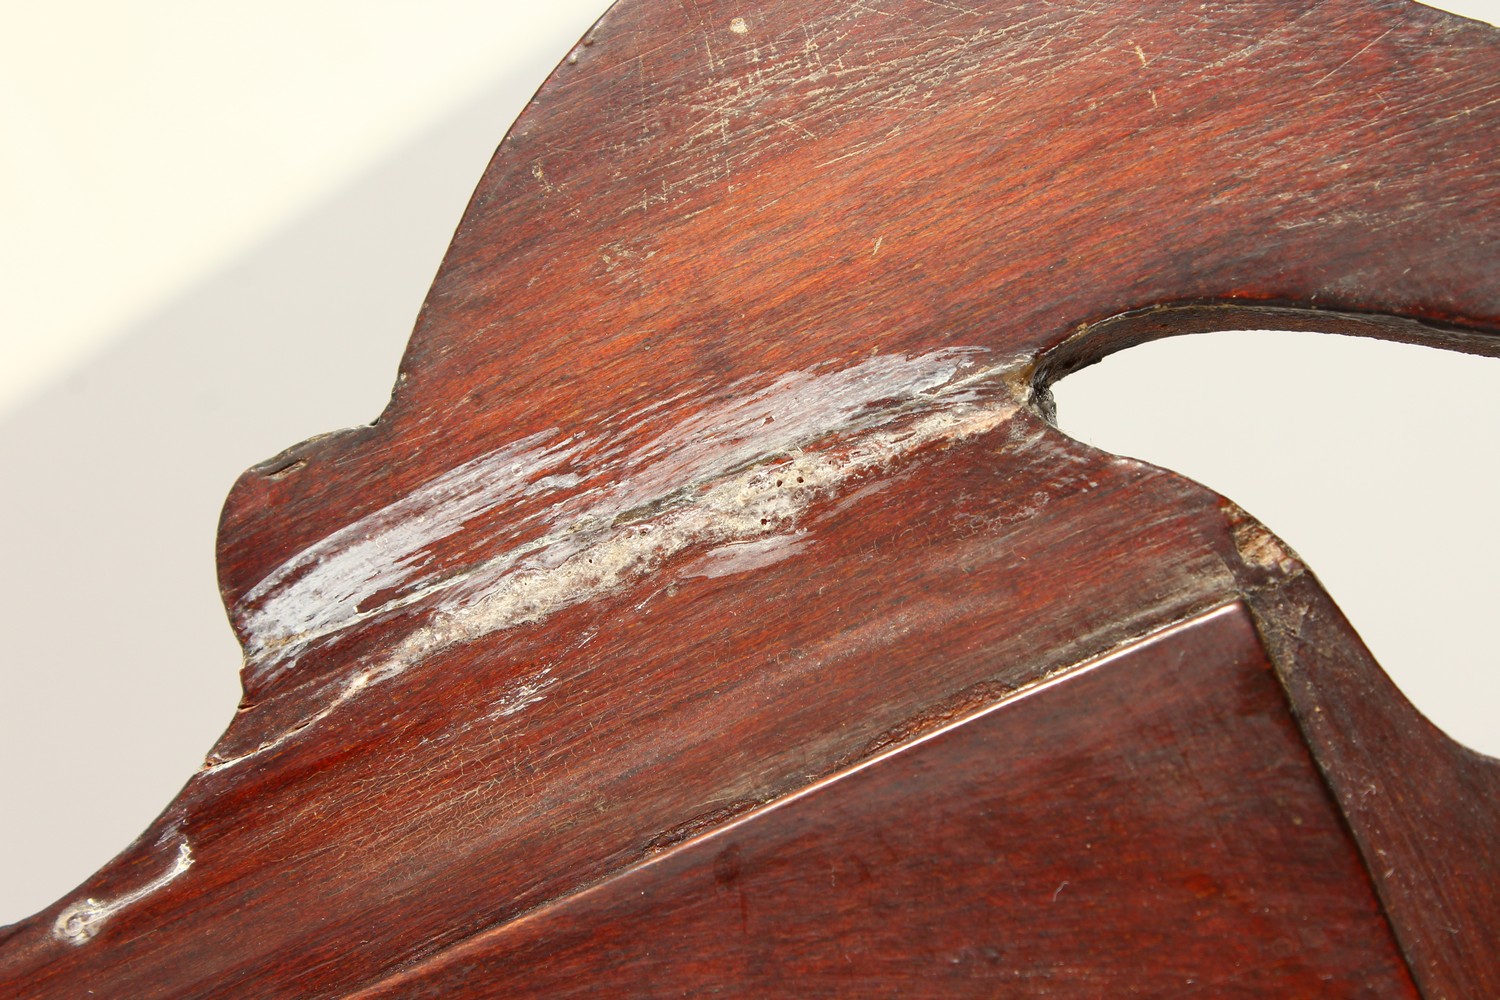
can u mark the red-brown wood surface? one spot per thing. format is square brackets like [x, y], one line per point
[1425, 812]
[715, 464]
[1149, 826]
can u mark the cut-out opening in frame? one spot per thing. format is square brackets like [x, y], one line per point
[1374, 460]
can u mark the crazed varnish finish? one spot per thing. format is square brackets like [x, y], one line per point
[714, 608]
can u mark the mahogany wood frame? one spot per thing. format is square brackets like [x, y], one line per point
[716, 529]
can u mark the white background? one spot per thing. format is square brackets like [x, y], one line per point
[217, 230]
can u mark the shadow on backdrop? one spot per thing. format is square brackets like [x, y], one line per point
[120, 670]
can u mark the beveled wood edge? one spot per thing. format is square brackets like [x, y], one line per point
[478, 943]
[1422, 807]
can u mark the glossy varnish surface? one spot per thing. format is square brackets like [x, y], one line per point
[717, 462]
[1148, 826]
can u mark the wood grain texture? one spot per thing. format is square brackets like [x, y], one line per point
[718, 462]
[1425, 811]
[1166, 787]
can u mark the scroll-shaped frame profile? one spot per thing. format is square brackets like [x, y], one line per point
[717, 463]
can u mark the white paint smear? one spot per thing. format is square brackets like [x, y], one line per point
[318, 591]
[78, 923]
[735, 478]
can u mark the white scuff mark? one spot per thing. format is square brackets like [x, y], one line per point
[525, 694]
[319, 591]
[744, 557]
[735, 478]
[739, 26]
[78, 923]
[792, 413]
[351, 687]
[743, 470]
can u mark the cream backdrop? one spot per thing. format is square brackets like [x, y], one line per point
[217, 230]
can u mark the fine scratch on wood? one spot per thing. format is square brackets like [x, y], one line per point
[1368, 45]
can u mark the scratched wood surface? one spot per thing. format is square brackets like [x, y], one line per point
[719, 462]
